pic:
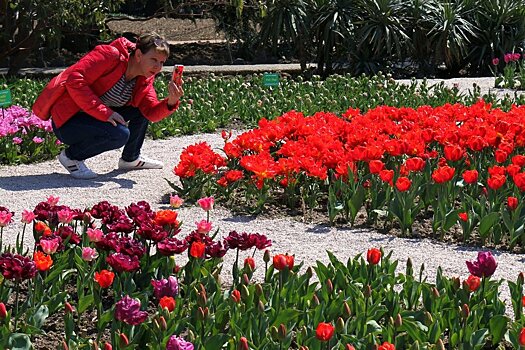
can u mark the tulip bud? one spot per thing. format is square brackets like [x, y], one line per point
[456, 282]
[260, 307]
[349, 347]
[304, 347]
[391, 320]
[163, 324]
[428, 318]
[410, 269]
[107, 346]
[329, 286]
[367, 291]
[245, 279]
[68, 308]
[266, 256]
[3, 311]
[309, 272]
[86, 218]
[259, 290]
[94, 345]
[176, 269]
[398, 322]
[339, 325]
[282, 332]
[200, 314]
[440, 345]
[315, 300]
[202, 299]
[64, 345]
[465, 311]
[274, 333]
[347, 312]
[435, 292]
[243, 344]
[124, 341]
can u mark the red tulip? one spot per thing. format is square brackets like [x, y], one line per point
[470, 176]
[473, 282]
[324, 331]
[243, 344]
[3, 311]
[104, 278]
[197, 249]
[512, 203]
[386, 346]
[236, 296]
[281, 261]
[403, 184]
[249, 262]
[167, 302]
[463, 216]
[521, 339]
[373, 255]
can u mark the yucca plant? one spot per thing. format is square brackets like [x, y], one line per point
[332, 27]
[452, 31]
[501, 30]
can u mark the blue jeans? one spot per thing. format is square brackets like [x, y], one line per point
[88, 137]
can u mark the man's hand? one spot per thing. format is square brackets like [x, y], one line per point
[116, 118]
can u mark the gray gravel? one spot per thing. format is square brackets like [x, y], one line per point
[23, 186]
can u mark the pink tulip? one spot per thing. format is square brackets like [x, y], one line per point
[5, 218]
[17, 140]
[203, 226]
[176, 201]
[89, 254]
[95, 235]
[65, 216]
[206, 203]
[28, 216]
[52, 201]
[50, 246]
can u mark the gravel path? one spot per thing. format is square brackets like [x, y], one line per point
[22, 187]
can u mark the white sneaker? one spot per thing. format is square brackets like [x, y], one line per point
[140, 163]
[76, 168]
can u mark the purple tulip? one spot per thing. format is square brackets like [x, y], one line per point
[177, 343]
[128, 311]
[165, 287]
[484, 266]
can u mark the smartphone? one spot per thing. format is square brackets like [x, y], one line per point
[177, 73]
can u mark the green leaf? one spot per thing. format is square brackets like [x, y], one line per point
[487, 222]
[286, 316]
[39, 317]
[85, 302]
[216, 342]
[498, 326]
[477, 339]
[19, 341]
[450, 219]
[373, 327]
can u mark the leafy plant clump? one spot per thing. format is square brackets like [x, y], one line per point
[143, 287]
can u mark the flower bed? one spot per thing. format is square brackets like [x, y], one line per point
[143, 287]
[460, 164]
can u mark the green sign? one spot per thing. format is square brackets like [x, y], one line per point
[271, 79]
[5, 98]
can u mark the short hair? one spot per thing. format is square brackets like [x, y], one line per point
[147, 41]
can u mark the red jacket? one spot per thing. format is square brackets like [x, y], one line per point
[80, 86]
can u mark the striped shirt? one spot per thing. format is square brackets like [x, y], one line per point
[119, 94]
